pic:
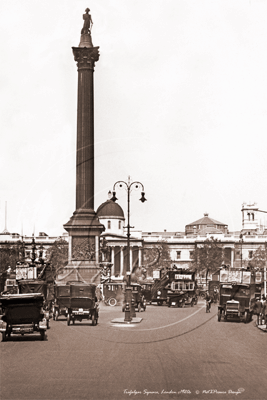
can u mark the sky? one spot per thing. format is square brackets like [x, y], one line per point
[180, 97]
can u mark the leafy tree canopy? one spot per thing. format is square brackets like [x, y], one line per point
[208, 257]
[57, 255]
[157, 256]
[259, 259]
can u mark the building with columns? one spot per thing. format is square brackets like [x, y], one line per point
[239, 246]
[111, 215]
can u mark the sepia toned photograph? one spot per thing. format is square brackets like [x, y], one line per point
[133, 200]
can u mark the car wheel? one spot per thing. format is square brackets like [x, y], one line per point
[246, 317]
[112, 302]
[159, 303]
[93, 319]
[68, 319]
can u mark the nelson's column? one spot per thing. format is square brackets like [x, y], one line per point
[84, 227]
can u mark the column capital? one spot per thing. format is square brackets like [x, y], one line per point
[85, 57]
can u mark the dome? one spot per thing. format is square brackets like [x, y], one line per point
[110, 209]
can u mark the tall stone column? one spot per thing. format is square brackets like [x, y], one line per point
[84, 227]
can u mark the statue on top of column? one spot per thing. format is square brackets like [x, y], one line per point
[88, 22]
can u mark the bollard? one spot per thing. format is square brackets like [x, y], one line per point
[128, 296]
[128, 317]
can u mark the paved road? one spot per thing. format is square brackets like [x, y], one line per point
[172, 353]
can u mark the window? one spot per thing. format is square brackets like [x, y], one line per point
[109, 224]
[178, 255]
[191, 254]
[119, 224]
[252, 216]
[250, 254]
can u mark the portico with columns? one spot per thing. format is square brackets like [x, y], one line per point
[111, 215]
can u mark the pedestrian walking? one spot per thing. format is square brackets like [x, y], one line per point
[257, 310]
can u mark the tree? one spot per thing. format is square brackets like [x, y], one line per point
[259, 259]
[57, 256]
[10, 254]
[157, 256]
[208, 257]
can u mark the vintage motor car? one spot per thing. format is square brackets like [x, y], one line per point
[35, 286]
[138, 299]
[22, 314]
[83, 303]
[61, 302]
[236, 295]
[147, 291]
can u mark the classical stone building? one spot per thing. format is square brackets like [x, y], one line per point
[111, 215]
[181, 244]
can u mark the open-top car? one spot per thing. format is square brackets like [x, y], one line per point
[83, 303]
[22, 314]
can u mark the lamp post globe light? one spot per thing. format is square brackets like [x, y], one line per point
[129, 186]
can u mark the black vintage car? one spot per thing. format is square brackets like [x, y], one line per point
[35, 286]
[83, 303]
[138, 299]
[61, 301]
[22, 314]
[147, 291]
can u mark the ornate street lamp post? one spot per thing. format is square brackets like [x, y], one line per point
[129, 186]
